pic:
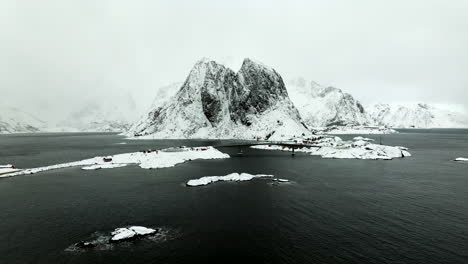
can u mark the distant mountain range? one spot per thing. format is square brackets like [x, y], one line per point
[216, 102]
[322, 106]
[102, 116]
[14, 120]
[415, 116]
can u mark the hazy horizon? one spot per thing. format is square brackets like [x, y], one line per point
[60, 55]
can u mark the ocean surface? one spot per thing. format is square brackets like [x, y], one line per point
[411, 210]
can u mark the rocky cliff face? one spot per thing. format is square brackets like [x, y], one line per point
[322, 106]
[216, 102]
[416, 116]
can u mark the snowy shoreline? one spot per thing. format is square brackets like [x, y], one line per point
[336, 148]
[150, 159]
[355, 130]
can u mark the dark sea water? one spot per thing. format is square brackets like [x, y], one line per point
[412, 210]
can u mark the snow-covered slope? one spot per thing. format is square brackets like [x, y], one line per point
[216, 102]
[101, 116]
[14, 120]
[165, 93]
[321, 106]
[416, 115]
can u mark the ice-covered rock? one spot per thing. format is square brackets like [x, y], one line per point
[128, 233]
[145, 159]
[334, 147]
[216, 102]
[461, 159]
[230, 177]
[280, 180]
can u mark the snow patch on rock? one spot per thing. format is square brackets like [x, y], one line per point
[124, 233]
[230, 177]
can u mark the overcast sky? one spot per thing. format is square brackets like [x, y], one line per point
[56, 55]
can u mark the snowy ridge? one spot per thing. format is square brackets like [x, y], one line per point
[14, 120]
[165, 93]
[101, 116]
[216, 102]
[416, 116]
[321, 106]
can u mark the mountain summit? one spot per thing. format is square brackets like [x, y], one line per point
[216, 102]
[322, 106]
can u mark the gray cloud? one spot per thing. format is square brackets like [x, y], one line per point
[56, 55]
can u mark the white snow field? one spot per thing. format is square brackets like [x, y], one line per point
[145, 159]
[230, 177]
[336, 148]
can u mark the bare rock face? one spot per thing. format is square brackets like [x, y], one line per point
[216, 102]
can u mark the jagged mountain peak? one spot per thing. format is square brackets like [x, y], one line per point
[255, 64]
[216, 102]
[322, 106]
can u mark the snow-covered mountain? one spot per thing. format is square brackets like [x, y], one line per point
[416, 115]
[163, 94]
[216, 102]
[101, 116]
[321, 106]
[14, 120]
